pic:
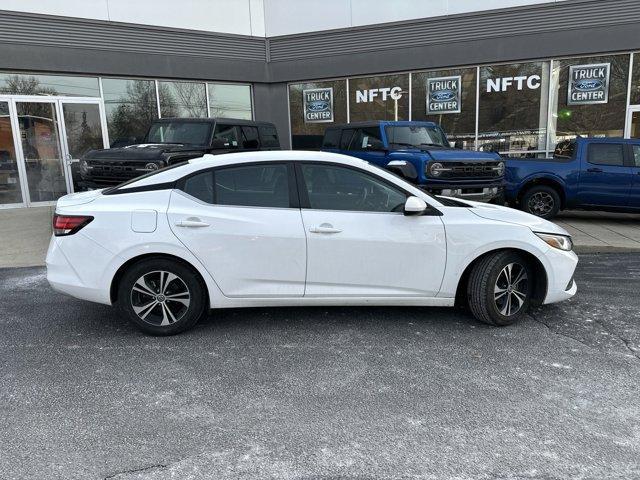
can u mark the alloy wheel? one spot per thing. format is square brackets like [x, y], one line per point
[160, 298]
[541, 203]
[511, 289]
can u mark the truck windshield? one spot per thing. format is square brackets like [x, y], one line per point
[190, 133]
[416, 136]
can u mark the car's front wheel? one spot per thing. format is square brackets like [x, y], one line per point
[500, 287]
[162, 296]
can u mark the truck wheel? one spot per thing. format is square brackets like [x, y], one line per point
[541, 201]
[499, 288]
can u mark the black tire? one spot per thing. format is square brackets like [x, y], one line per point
[487, 277]
[542, 201]
[174, 311]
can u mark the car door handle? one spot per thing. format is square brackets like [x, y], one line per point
[191, 223]
[594, 170]
[324, 228]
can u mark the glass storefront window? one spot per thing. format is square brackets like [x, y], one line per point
[513, 102]
[451, 102]
[42, 85]
[314, 106]
[9, 180]
[230, 101]
[130, 107]
[384, 97]
[595, 103]
[182, 99]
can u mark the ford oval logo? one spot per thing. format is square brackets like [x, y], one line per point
[318, 106]
[443, 96]
[588, 85]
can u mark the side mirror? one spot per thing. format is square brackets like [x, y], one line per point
[404, 169]
[220, 144]
[414, 206]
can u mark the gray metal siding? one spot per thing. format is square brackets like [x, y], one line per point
[553, 17]
[52, 31]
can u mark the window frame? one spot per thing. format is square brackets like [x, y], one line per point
[625, 160]
[294, 201]
[303, 192]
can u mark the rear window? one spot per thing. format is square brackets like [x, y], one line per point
[565, 149]
[331, 138]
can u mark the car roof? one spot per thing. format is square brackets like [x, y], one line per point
[234, 121]
[376, 123]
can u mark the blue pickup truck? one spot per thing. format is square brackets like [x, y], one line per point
[420, 152]
[585, 173]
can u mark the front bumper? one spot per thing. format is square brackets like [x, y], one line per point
[478, 193]
[561, 267]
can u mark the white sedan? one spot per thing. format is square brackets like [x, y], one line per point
[298, 228]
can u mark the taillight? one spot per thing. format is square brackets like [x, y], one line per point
[69, 224]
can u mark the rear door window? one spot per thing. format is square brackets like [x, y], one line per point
[331, 138]
[606, 154]
[228, 133]
[345, 138]
[252, 186]
[367, 139]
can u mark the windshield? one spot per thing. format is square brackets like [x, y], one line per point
[191, 133]
[416, 136]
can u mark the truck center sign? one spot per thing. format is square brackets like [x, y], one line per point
[588, 84]
[318, 105]
[443, 95]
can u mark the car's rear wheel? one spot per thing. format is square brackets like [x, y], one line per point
[500, 287]
[162, 296]
[542, 201]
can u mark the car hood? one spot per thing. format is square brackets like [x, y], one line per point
[510, 215]
[455, 154]
[143, 152]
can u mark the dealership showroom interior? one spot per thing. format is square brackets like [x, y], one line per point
[320, 239]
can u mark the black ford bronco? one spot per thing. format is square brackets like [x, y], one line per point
[172, 140]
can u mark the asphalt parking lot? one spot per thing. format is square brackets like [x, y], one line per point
[324, 393]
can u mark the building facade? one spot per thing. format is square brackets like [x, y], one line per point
[508, 76]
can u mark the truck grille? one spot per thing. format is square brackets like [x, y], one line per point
[469, 170]
[113, 173]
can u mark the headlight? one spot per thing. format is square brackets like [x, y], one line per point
[500, 168]
[436, 169]
[84, 166]
[561, 242]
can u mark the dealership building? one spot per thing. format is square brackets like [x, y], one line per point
[514, 76]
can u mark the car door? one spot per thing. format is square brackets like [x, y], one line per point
[243, 223]
[634, 193]
[367, 144]
[605, 177]
[359, 242]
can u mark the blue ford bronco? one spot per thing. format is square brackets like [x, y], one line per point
[420, 152]
[584, 173]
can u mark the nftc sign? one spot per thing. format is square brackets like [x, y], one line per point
[365, 96]
[532, 82]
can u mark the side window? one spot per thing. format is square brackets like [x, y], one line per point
[345, 138]
[337, 188]
[367, 139]
[228, 133]
[200, 186]
[636, 155]
[250, 138]
[252, 186]
[331, 138]
[606, 154]
[269, 137]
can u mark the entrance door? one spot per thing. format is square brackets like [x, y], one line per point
[50, 136]
[632, 129]
[83, 129]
